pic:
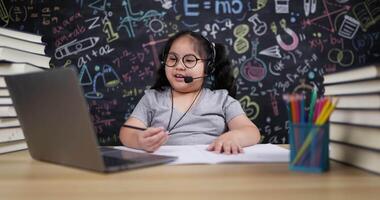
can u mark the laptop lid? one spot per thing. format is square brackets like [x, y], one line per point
[55, 118]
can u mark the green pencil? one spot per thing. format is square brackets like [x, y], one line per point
[312, 104]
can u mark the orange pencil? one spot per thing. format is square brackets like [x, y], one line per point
[316, 110]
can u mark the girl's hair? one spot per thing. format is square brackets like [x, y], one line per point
[221, 76]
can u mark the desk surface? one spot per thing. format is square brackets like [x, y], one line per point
[21, 177]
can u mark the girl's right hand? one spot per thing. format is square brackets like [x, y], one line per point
[152, 138]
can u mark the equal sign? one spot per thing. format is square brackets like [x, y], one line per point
[207, 5]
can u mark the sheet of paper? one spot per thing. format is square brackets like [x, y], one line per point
[198, 154]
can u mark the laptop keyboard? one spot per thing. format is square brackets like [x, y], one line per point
[111, 161]
[115, 158]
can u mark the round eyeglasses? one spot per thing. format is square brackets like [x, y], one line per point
[188, 60]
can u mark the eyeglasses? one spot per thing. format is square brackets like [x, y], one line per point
[188, 60]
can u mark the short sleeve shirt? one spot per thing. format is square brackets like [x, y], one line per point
[205, 121]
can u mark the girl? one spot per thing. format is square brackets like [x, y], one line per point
[179, 110]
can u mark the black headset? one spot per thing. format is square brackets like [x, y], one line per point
[210, 60]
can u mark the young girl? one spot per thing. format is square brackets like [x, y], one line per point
[179, 110]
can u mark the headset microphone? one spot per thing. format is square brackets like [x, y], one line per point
[189, 79]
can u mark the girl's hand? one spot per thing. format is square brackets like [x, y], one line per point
[152, 138]
[227, 144]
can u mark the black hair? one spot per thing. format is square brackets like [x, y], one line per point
[221, 73]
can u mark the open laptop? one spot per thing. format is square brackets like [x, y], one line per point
[56, 123]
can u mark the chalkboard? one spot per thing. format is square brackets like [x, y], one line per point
[276, 47]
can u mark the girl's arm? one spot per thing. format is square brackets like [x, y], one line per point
[242, 132]
[128, 136]
[149, 140]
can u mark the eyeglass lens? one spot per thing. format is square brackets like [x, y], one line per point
[188, 60]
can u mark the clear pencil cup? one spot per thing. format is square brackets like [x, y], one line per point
[309, 147]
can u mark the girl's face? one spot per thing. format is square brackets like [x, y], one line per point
[183, 60]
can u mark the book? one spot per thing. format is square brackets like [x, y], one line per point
[11, 134]
[21, 35]
[2, 82]
[6, 122]
[363, 136]
[4, 92]
[7, 111]
[17, 68]
[15, 55]
[22, 44]
[364, 101]
[363, 158]
[13, 146]
[5, 101]
[367, 72]
[356, 117]
[360, 87]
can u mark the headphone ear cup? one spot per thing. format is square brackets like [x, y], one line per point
[210, 64]
[210, 68]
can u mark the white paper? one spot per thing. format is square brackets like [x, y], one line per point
[198, 154]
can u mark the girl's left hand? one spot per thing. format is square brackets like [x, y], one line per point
[227, 143]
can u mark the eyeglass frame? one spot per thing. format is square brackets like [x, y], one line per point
[177, 59]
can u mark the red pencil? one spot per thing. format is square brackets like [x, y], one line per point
[293, 108]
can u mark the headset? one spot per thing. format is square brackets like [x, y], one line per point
[210, 60]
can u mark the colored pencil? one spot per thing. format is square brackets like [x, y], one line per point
[321, 120]
[312, 104]
[302, 109]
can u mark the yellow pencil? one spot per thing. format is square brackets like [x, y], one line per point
[324, 109]
[328, 113]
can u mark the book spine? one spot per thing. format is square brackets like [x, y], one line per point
[12, 148]
[12, 135]
[6, 122]
[7, 111]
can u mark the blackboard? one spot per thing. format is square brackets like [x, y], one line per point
[277, 47]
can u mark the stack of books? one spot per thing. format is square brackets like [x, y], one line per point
[355, 123]
[20, 52]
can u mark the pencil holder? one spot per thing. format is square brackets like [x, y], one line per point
[309, 147]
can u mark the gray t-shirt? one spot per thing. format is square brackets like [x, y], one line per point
[205, 121]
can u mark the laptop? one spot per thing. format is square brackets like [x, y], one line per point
[55, 119]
